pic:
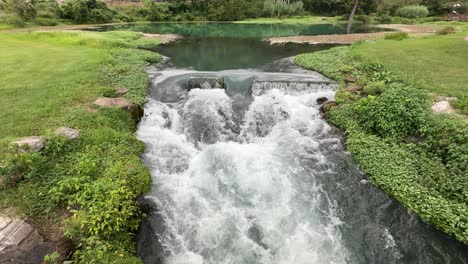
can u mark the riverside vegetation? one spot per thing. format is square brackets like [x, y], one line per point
[417, 157]
[86, 189]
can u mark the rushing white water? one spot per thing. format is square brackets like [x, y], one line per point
[242, 197]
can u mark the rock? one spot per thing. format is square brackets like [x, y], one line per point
[442, 107]
[134, 109]
[34, 143]
[466, 38]
[326, 107]
[21, 243]
[67, 132]
[350, 79]
[446, 98]
[353, 88]
[205, 83]
[321, 100]
[10, 180]
[120, 91]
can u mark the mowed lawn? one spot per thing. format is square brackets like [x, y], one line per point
[40, 79]
[437, 63]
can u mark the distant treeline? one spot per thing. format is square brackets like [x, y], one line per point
[49, 12]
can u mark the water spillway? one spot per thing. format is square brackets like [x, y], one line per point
[249, 172]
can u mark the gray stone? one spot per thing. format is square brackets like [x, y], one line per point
[442, 107]
[67, 132]
[350, 79]
[321, 100]
[32, 143]
[21, 243]
[353, 88]
[134, 109]
[205, 83]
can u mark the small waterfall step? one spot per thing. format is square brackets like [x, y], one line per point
[291, 84]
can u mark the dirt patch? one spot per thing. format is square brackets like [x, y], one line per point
[414, 30]
[163, 38]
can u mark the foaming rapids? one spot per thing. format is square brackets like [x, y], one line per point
[241, 187]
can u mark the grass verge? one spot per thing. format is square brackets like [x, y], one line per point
[291, 20]
[85, 189]
[415, 156]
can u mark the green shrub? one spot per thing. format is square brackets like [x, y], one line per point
[446, 31]
[12, 19]
[87, 11]
[396, 36]
[399, 111]
[415, 11]
[375, 88]
[363, 18]
[42, 21]
[283, 8]
[384, 19]
[157, 11]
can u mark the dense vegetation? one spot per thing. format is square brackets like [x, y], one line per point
[20, 13]
[417, 157]
[85, 189]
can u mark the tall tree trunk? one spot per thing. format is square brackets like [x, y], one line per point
[351, 17]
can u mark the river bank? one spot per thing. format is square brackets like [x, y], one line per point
[79, 193]
[384, 108]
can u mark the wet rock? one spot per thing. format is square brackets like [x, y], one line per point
[205, 83]
[34, 143]
[326, 108]
[134, 109]
[350, 79]
[120, 91]
[442, 107]
[21, 243]
[321, 100]
[67, 132]
[354, 88]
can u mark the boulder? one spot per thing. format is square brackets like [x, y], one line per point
[321, 100]
[67, 132]
[354, 88]
[34, 143]
[21, 243]
[466, 38]
[120, 91]
[134, 109]
[350, 79]
[205, 83]
[326, 107]
[442, 107]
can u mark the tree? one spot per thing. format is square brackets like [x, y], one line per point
[351, 16]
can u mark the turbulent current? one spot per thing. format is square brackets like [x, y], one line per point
[245, 170]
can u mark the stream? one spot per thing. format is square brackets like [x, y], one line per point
[245, 170]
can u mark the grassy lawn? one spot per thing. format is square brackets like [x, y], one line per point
[84, 190]
[292, 20]
[41, 80]
[437, 63]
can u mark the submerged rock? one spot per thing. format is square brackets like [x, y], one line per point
[67, 132]
[21, 243]
[149, 247]
[134, 109]
[205, 83]
[321, 100]
[33, 143]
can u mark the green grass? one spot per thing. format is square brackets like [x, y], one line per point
[437, 63]
[87, 188]
[4, 26]
[292, 20]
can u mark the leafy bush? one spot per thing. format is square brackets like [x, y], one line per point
[42, 21]
[446, 31]
[87, 11]
[363, 18]
[399, 111]
[12, 19]
[282, 8]
[384, 19]
[227, 10]
[375, 88]
[157, 11]
[396, 36]
[414, 11]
